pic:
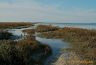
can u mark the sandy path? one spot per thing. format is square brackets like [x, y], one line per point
[68, 58]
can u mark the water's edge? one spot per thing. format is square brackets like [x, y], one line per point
[55, 44]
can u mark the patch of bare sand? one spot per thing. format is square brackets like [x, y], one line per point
[71, 58]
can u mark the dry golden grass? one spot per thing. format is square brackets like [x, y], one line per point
[46, 28]
[4, 25]
[27, 51]
[29, 31]
[23, 52]
[82, 40]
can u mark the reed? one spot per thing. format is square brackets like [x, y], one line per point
[4, 25]
[27, 51]
[46, 28]
[83, 41]
[29, 31]
[23, 52]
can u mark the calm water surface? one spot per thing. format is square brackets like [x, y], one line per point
[56, 45]
[76, 25]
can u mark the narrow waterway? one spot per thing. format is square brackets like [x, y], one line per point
[18, 34]
[55, 44]
[58, 56]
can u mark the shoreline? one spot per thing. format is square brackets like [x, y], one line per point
[83, 41]
[77, 37]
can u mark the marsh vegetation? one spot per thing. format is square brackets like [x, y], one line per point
[27, 51]
[24, 52]
[29, 31]
[4, 25]
[45, 28]
[83, 41]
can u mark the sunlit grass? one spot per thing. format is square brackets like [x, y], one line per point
[27, 51]
[45, 28]
[83, 41]
[4, 25]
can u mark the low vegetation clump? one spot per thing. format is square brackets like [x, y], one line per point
[46, 28]
[27, 51]
[4, 25]
[29, 31]
[5, 35]
[83, 40]
[23, 52]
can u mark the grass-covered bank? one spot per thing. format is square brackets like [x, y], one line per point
[27, 51]
[29, 31]
[82, 40]
[4, 25]
[24, 52]
[45, 28]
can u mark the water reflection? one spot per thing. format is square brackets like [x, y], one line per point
[55, 44]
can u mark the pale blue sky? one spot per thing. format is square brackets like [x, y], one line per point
[48, 10]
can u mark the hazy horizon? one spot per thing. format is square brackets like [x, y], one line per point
[47, 22]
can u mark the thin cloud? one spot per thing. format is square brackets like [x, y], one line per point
[33, 11]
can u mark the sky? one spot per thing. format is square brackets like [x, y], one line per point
[59, 11]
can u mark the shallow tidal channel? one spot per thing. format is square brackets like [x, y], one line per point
[55, 44]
